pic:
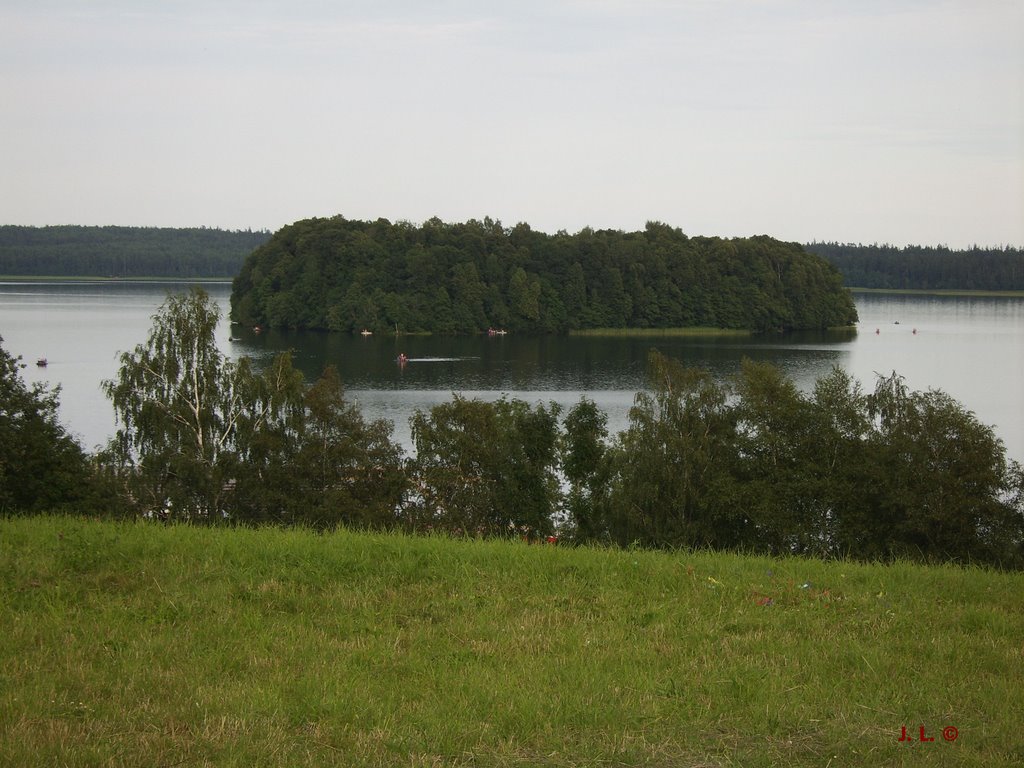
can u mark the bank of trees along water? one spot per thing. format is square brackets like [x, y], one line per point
[205, 252]
[124, 252]
[923, 268]
[443, 278]
[750, 464]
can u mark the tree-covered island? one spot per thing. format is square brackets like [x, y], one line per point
[344, 275]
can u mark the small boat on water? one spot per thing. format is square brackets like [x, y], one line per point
[365, 332]
[42, 362]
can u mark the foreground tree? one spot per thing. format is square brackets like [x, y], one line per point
[940, 484]
[304, 455]
[839, 454]
[485, 468]
[42, 468]
[782, 480]
[762, 466]
[350, 470]
[672, 481]
[178, 404]
[203, 438]
[585, 464]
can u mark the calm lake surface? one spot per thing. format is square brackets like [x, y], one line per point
[971, 347]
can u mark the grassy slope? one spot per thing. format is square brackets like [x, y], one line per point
[135, 644]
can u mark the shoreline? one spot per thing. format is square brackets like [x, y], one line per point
[942, 292]
[100, 279]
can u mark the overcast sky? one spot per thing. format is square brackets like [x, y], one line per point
[897, 121]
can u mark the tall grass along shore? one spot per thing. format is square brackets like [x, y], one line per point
[142, 644]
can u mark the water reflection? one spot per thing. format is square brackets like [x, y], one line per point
[531, 363]
[608, 370]
[970, 346]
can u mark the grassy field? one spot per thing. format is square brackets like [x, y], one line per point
[137, 644]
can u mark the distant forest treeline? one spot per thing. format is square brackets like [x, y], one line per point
[344, 275]
[205, 252]
[920, 268]
[125, 251]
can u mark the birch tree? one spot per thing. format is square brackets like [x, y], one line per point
[204, 438]
[182, 407]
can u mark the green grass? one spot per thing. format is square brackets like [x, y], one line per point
[938, 292]
[138, 644]
[695, 331]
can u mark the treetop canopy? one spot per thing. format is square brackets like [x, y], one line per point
[344, 275]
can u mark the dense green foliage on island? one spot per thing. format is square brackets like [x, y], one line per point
[922, 268]
[750, 463]
[124, 251]
[344, 275]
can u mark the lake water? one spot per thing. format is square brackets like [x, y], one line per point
[971, 347]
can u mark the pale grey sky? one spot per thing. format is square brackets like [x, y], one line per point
[896, 121]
